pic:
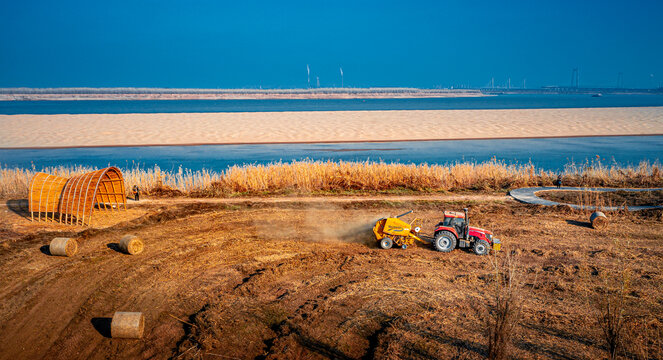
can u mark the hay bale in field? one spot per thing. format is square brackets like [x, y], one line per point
[127, 325]
[63, 247]
[599, 220]
[131, 245]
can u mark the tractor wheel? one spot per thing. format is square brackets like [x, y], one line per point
[386, 243]
[445, 241]
[481, 247]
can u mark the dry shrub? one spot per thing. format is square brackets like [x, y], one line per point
[504, 305]
[611, 308]
[627, 326]
[596, 174]
[611, 302]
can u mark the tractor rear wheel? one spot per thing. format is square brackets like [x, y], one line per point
[445, 241]
[386, 243]
[481, 247]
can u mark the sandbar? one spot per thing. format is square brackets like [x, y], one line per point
[92, 130]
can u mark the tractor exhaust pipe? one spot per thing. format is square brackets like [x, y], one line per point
[467, 224]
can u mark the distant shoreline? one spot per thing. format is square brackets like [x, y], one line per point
[77, 94]
[128, 93]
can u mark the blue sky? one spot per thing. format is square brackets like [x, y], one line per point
[248, 44]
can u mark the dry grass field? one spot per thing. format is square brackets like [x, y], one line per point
[332, 178]
[298, 279]
[617, 198]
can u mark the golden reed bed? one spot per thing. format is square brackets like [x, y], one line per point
[309, 177]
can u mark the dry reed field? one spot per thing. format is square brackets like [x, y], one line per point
[329, 177]
[603, 199]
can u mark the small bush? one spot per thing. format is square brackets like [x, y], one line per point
[504, 306]
[611, 302]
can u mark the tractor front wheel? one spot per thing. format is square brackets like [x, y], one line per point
[386, 243]
[445, 241]
[481, 247]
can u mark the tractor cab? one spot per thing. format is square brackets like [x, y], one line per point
[455, 220]
[454, 231]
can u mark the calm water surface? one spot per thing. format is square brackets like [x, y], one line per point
[193, 106]
[550, 154]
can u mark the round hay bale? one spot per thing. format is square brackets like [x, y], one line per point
[63, 247]
[131, 245]
[599, 220]
[127, 325]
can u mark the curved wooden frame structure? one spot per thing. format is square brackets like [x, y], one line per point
[74, 199]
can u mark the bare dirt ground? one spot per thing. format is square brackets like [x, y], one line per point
[253, 279]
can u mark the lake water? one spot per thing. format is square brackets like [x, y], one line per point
[549, 154]
[189, 106]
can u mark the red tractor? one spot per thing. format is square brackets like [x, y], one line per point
[455, 231]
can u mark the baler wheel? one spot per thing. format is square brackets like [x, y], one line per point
[386, 243]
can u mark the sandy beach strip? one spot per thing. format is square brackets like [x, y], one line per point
[85, 130]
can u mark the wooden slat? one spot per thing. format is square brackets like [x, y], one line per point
[106, 199]
[64, 191]
[82, 195]
[96, 188]
[106, 184]
[60, 186]
[32, 182]
[115, 196]
[93, 180]
[48, 196]
[41, 192]
[71, 198]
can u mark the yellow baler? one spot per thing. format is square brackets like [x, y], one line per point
[393, 230]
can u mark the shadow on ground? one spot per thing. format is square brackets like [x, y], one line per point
[579, 223]
[102, 325]
[114, 246]
[19, 207]
[45, 249]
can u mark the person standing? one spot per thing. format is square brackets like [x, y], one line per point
[558, 182]
[136, 192]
